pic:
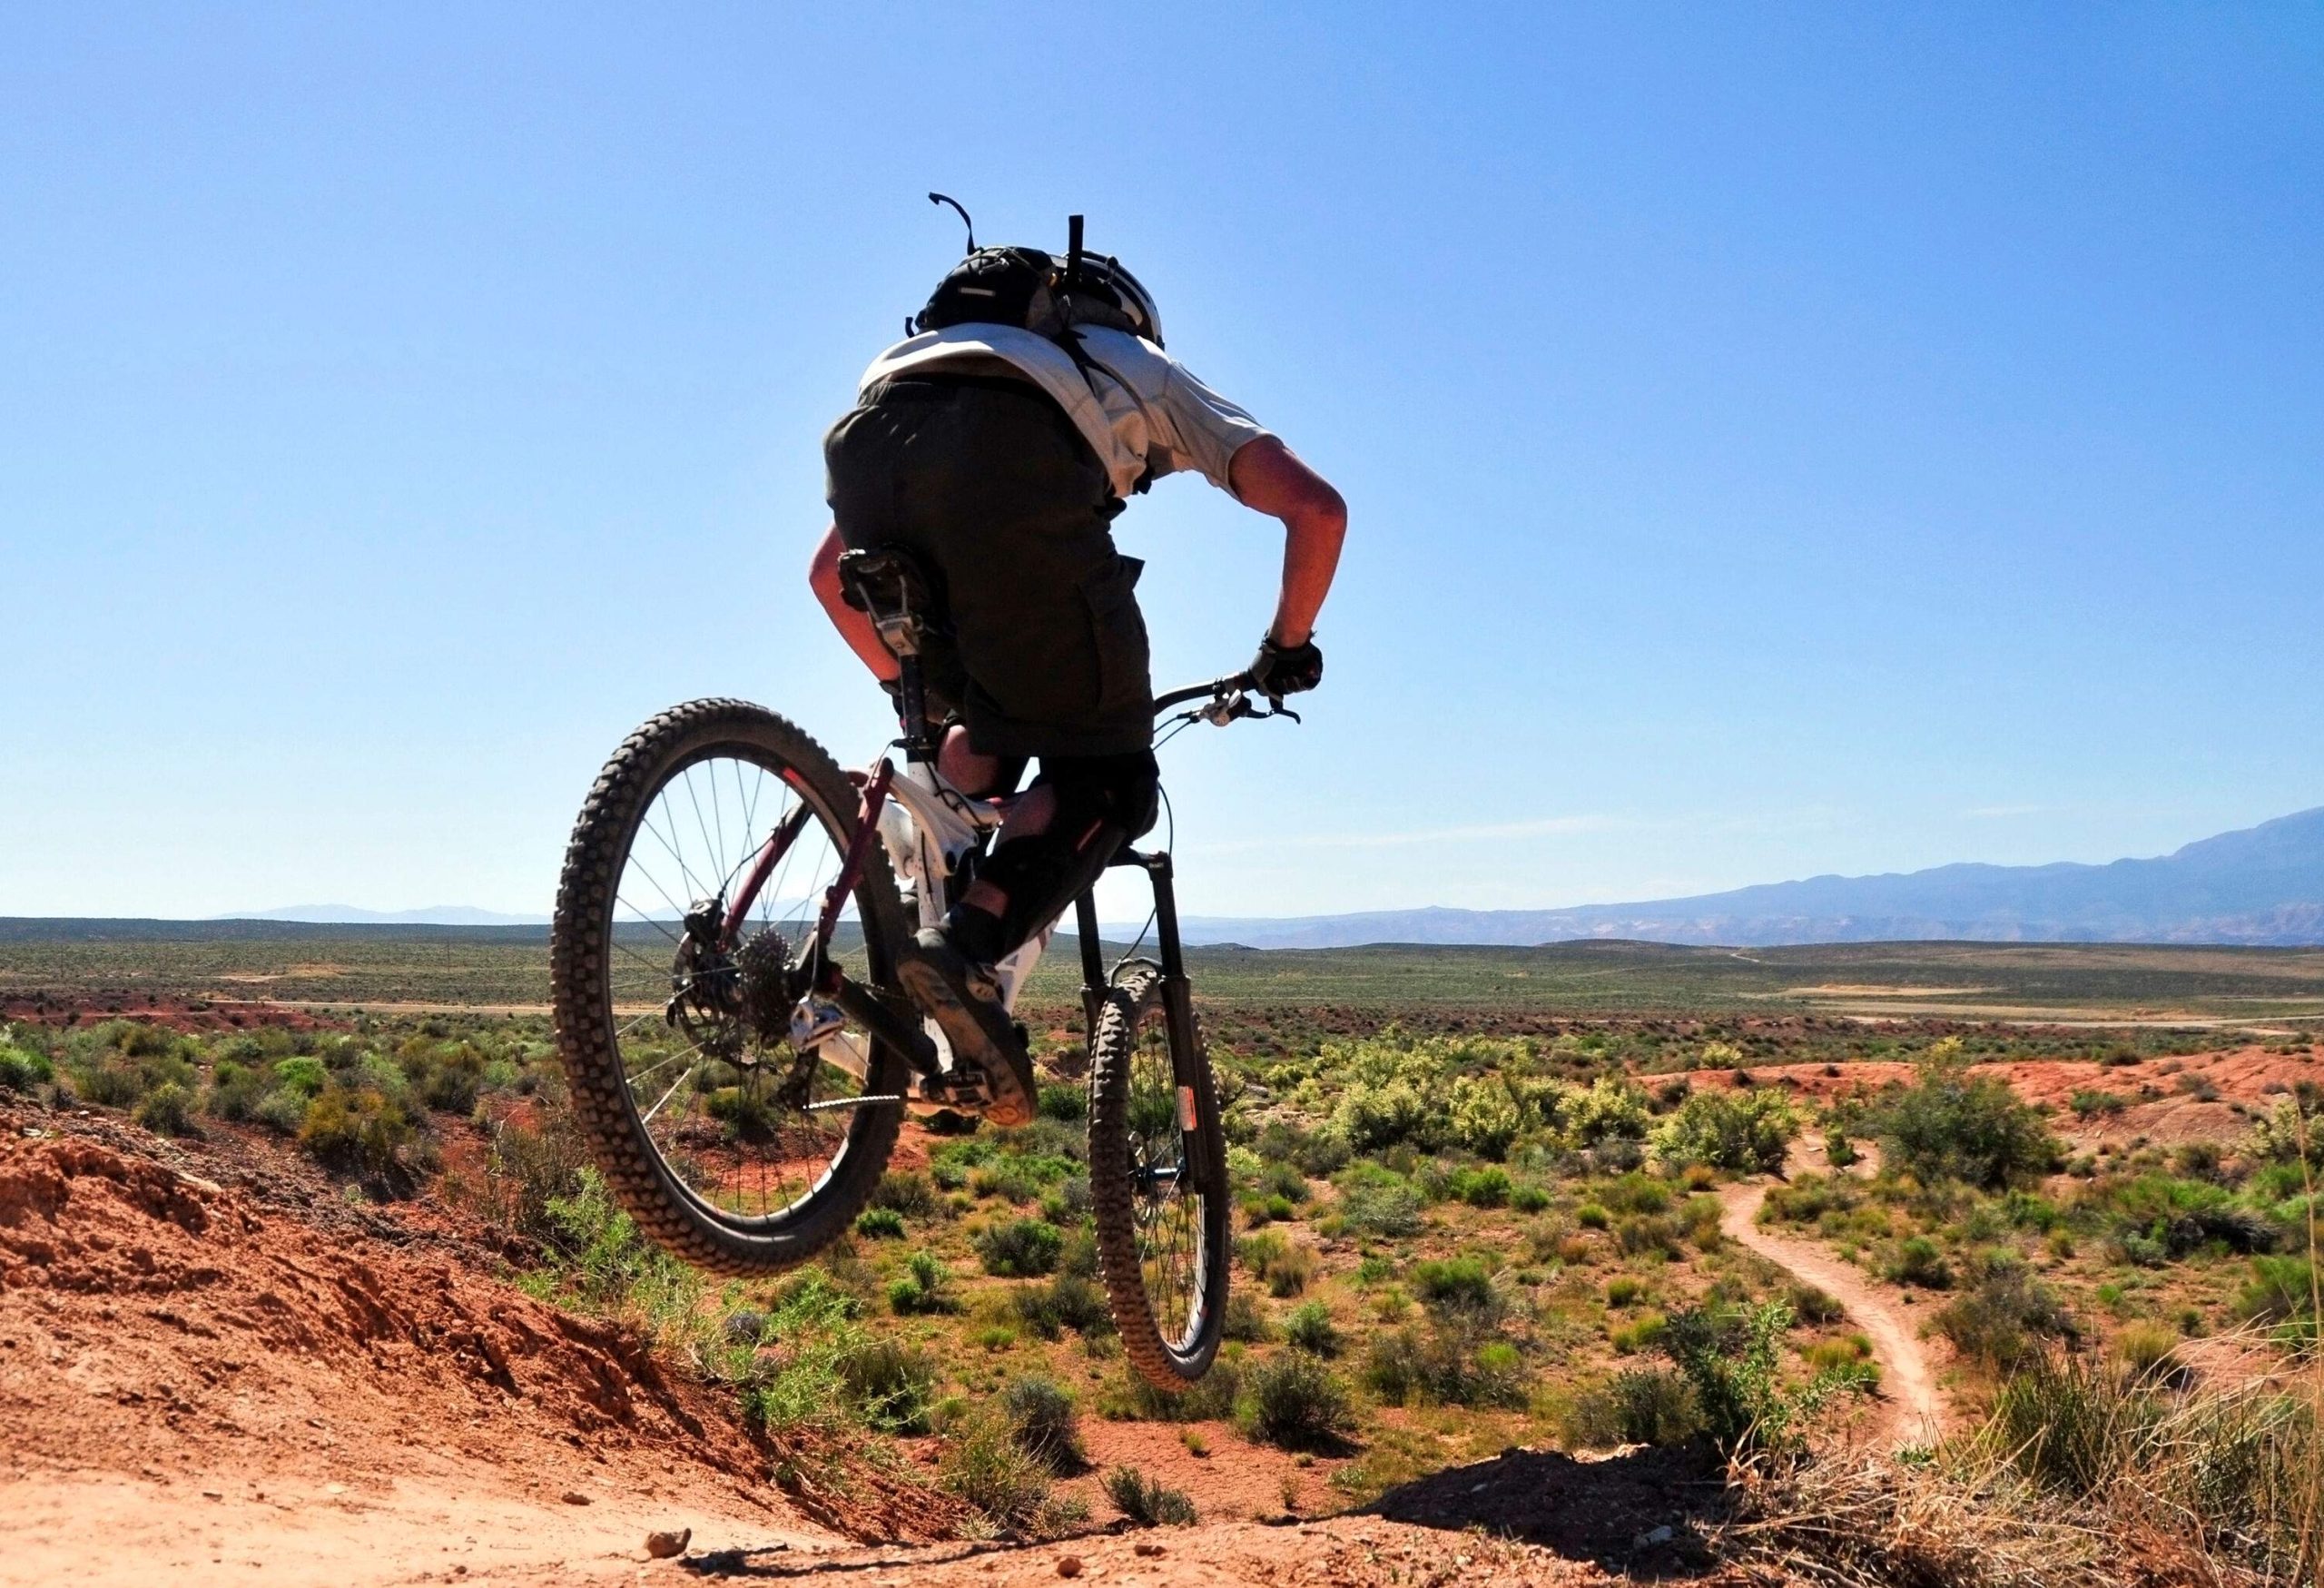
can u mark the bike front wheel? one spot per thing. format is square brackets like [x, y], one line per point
[1158, 1182]
[683, 942]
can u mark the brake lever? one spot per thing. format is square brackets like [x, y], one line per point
[1233, 707]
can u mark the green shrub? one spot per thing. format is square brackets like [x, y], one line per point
[1749, 1131]
[1044, 1423]
[1021, 1249]
[924, 1286]
[1068, 1301]
[1212, 1395]
[1245, 1319]
[1456, 1283]
[22, 1069]
[166, 1111]
[1815, 1305]
[909, 1193]
[1310, 1328]
[1143, 1502]
[1296, 1403]
[1611, 1109]
[2149, 1350]
[1639, 1405]
[1529, 1198]
[1482, 1188]
[1920, 1261]
[880, 1224]
[1377, 1202]
[1730, 1359]
[1283, 1267]
[1487, 1117]
[2003, 1319]
[234, 1091]
[357, 1128]
[892, 1383]
[301, 1074]
[1453, 1363]
[1064, 1102]
[1636, 1337]
[2281, 1296]
[1623, 1289]
[988, 1469]
[1952, 1125]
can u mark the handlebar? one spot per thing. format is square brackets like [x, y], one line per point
[1217, 689]
[1224, 700]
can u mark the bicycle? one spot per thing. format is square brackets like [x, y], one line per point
[740, 1054]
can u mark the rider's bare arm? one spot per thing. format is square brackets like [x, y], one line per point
[1269, 478]
[854, 628]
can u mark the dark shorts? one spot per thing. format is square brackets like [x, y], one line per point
[990, 484]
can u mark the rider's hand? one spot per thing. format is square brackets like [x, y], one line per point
[1280, 670]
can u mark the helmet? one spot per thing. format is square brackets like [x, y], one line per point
[1110, 278]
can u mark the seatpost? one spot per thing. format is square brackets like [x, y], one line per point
[911, 699]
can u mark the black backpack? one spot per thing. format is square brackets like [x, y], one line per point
[1025, 288]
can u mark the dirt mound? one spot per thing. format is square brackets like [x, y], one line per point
[164, 1336]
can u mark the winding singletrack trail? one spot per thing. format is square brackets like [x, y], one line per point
[1910, 1411]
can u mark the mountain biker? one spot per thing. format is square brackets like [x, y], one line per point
[997, 442]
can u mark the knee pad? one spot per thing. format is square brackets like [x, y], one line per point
[1103, 802]
[1122, 790]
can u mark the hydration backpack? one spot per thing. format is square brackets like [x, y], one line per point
[1026, 287]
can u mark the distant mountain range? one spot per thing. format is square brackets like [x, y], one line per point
[349, 915]
[2262, 885]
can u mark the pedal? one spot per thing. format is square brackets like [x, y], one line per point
[815, 1020]
[963, 1091]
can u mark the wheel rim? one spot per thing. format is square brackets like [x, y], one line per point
[700, 1016]
[1169, 1210]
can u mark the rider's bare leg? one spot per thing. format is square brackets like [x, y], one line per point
[972, 773]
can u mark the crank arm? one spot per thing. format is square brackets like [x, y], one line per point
[869, 1010]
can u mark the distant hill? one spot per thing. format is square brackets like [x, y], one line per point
[2263, 885]
[351, 915]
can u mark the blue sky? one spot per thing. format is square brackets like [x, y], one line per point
[1779, 439]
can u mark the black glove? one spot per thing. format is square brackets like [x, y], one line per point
[1280, 670]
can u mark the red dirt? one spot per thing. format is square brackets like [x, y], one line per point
[2160, 1107]
[178, 1013]
[162, 1338]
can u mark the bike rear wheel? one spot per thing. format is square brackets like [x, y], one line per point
[1157, 1183]
[676, 962]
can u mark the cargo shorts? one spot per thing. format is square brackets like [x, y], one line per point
[986, 480]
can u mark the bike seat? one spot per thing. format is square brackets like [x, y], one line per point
[891, 585]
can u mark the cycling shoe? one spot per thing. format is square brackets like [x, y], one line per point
[964, 1001]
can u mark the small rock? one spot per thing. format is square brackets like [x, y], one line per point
[1068, 1565]
[213, 1493]
[1150, 1550]
[1652, 1537]
[663, 1545]
[575, 1497]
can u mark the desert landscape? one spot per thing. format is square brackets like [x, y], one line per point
[1587, 1266]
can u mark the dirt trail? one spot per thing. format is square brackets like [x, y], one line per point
[1912, 1412]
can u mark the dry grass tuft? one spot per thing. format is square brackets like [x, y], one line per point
[2086, 1476]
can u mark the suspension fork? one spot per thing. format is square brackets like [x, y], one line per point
[1198, 1094]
